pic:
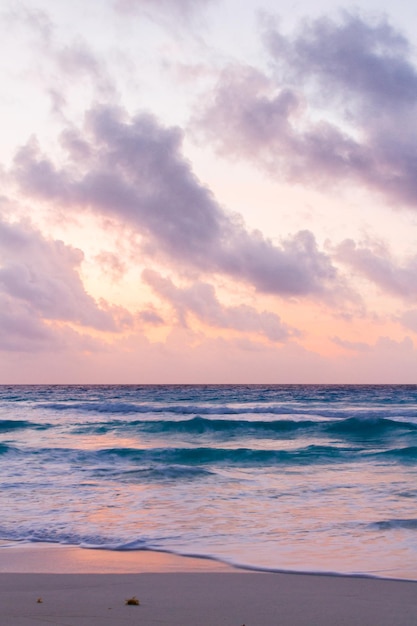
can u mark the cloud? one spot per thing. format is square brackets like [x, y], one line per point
[151, 317]
[39, 277]
[69, 69]
[377, 265]
[78, 61]
[132, 169]
[37, 20]
[200, 300]
[111, 265]
[182, 7]
[368, 60]
[338, 105]
[20, 329]
[23, 331]
[409, 319]
[355, 346]
[249, 116]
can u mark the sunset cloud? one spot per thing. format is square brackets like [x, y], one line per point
[76, 61]
[409, 319]
[368, 60]
[338, 105]
[355, 346]
[41, 276]
[183, 7]
[378, 266]
[21, 329]
[133, 170]
[200, 300]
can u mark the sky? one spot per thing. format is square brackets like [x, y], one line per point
[208, 191]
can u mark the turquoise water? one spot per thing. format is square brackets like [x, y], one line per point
[307, 478]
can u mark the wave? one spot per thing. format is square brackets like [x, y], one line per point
[364, 427]
[200, 425]
[312, 410]
[407, 454]
[58, 536]
[178, 464]
[98, 407]
[150, 459]
[370, 426]
[394, 524]
[164, 473]
[177, 409]
[11, 425]
[231, 456]
[164, 546]
[201, 456]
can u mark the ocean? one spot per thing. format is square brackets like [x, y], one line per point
[285, 478]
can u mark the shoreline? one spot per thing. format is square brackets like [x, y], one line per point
[49, 558]
[81, 587]
[55, 558]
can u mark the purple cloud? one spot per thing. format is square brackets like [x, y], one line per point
[41, 275]
[183, 7]
[249, 116]
[358, 74]
[58, 63]
[21, 329]
[132, 169]
[355, 346]
[151, 317]
[111, 265]
[378, 266]
[200, 299]
[369, 61]
[78, 61]
[409, 319]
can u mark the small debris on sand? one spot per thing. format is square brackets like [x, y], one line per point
[39, 600]
[133, 601]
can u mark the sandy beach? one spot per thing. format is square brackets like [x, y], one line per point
[180, 591]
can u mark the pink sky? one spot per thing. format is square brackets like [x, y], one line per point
[193, 192]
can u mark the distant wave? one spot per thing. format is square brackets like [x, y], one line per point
[10, 425]
[313, 411]
[201, 456]
[172, 458]
[358, 427]
[200, 425]
[406, 454]
[370, 426]
[164, 473]
[177, 409]
[256, 428]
